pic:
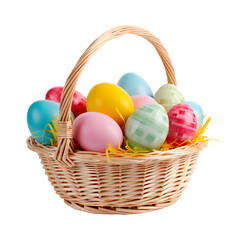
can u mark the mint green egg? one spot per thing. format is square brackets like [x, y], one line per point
[147, 128]
[168, 95]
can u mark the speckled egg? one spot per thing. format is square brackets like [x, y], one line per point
[168, 95]
[147, 128]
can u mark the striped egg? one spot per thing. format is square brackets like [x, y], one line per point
[168, 95]
[147, 127]
[183, 123]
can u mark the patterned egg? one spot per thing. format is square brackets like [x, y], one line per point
[133, 84]
[168, 95]
[147, 127]
[198, 111]
[183, 123]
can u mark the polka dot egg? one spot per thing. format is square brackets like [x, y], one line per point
[183, 123]
[147, 128]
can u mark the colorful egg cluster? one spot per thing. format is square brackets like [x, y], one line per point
[112, 113]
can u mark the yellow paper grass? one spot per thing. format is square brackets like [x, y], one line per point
[199, 137]
[52, 129]
[126, 149]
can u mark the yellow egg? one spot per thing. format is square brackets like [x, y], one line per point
[111, 100]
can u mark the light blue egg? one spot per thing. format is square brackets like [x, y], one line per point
[197, 110]
[40, 114]
[147, 127]
[133, 84]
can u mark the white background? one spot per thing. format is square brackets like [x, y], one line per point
[39, 45]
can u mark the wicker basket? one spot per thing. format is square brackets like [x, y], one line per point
[130, 183]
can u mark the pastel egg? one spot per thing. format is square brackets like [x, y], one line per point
[147, 128]
[93, 131]
[168, 95]
[198, 111]
[133, 84]
[112, 100]
[140, 100]
[183, 123]
[42, 119]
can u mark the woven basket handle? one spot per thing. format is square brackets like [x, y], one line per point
[65, 141]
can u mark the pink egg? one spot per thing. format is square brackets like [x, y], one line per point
[93, 131]
[139, 100]
[183, 123]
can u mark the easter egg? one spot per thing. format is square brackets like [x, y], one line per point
[110, 99]
[133, 84]
[183, 123]
[42, 119]
[168, 95]
[78, 102]
[93, 131]
[140, 100]
[147, 128]
[198, 111]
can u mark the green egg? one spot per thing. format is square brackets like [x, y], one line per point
[168, 95]
[147, 128]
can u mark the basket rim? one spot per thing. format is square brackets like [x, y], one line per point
[78, 156]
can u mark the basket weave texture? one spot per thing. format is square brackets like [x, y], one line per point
[131, 183]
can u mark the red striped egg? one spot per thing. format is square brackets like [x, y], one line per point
[183, 123]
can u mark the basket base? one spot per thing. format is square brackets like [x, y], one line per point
[118, 210]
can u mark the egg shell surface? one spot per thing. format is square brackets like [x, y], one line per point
[112, 100]
[198, 111]
[93, 131]
[168, 95]
[183, 123]
[78, 103]
[134, 84]
[140, 100]
[147, 128]
[40, 113]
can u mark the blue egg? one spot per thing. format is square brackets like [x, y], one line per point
[197, 110]
[40, 115]
[133, 84]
